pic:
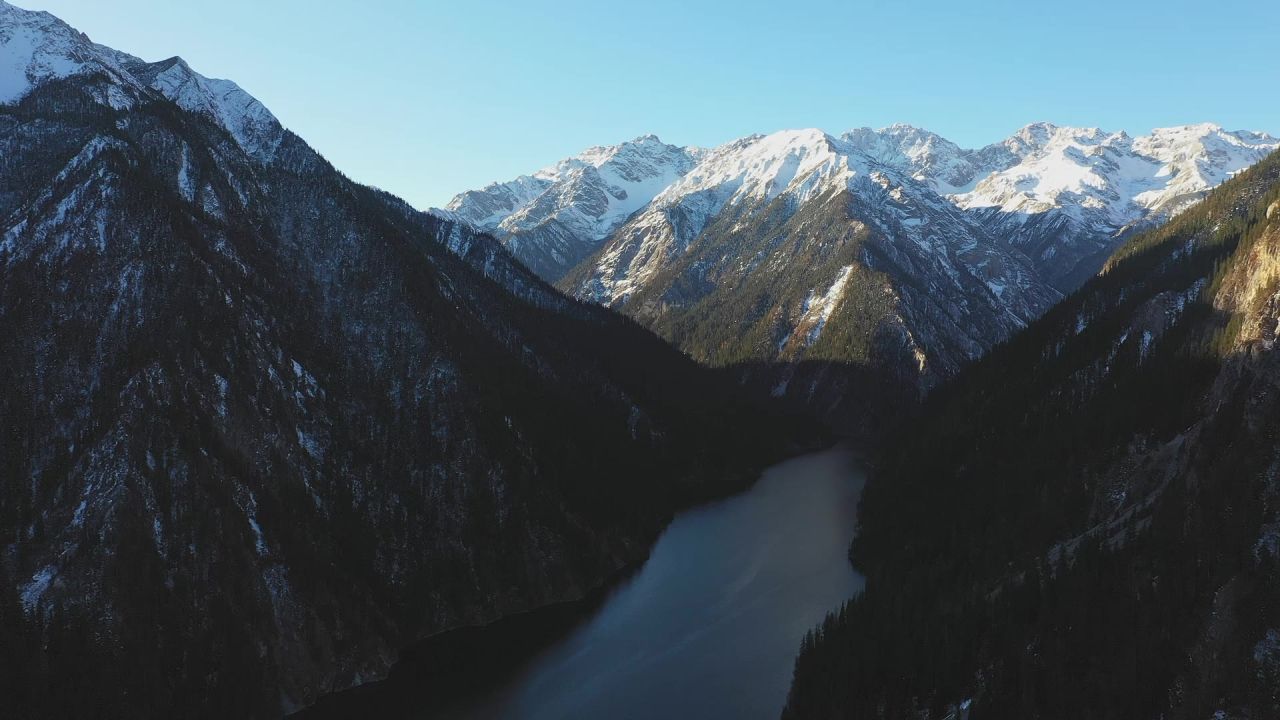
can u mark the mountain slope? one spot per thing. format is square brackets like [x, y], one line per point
[799, 247]
[263, 426]
[1084, 523]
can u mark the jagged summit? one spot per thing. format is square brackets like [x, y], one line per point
[1061, 194]
[765, 166]
[1106, 182]
[247, 119]
[36, 47]
[554, 217]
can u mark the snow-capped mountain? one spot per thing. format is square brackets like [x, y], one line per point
[802, 246]
[254, 415]
[1125, 179]
[555, 217]
[931, 158]
[1068, 196]
[1106, 486]
[1064, 196]
[37, 47]
[986, 238]
[1073, 194]
[248, 121]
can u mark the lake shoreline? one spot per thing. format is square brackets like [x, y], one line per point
[466, 662]
[445, 675]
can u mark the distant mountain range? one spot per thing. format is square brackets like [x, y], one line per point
[892, 249]
[1104, 183]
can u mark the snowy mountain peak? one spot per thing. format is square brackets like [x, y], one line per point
[797, 163]
[554, 217]
[761, 166]
[926, 156]
[1099, 183]
[36, 47]
[1063, 194]
[10, 13]
[907, 136]
[1109, 181]
[1036, 133]
[1202, 135]
[647, 150]
[786, 225]
[248, 121]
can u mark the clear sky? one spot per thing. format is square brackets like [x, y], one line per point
[429, 98]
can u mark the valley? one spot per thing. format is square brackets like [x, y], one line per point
[799, 424]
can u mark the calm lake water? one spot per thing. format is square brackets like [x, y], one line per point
[710, 626]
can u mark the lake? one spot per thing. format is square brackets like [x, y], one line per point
[709, 627]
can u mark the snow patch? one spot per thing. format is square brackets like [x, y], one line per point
[35, 589]
[1266, 653]
[186, 185]
[818, 309]
[309, 444]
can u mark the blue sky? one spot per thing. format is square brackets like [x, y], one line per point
[429, 98]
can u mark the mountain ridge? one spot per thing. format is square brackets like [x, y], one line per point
[38, 47]
[1001, 168]
[552, 218]
[948, 250]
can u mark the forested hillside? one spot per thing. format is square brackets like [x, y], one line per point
[1086, 523]
[262, 426]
